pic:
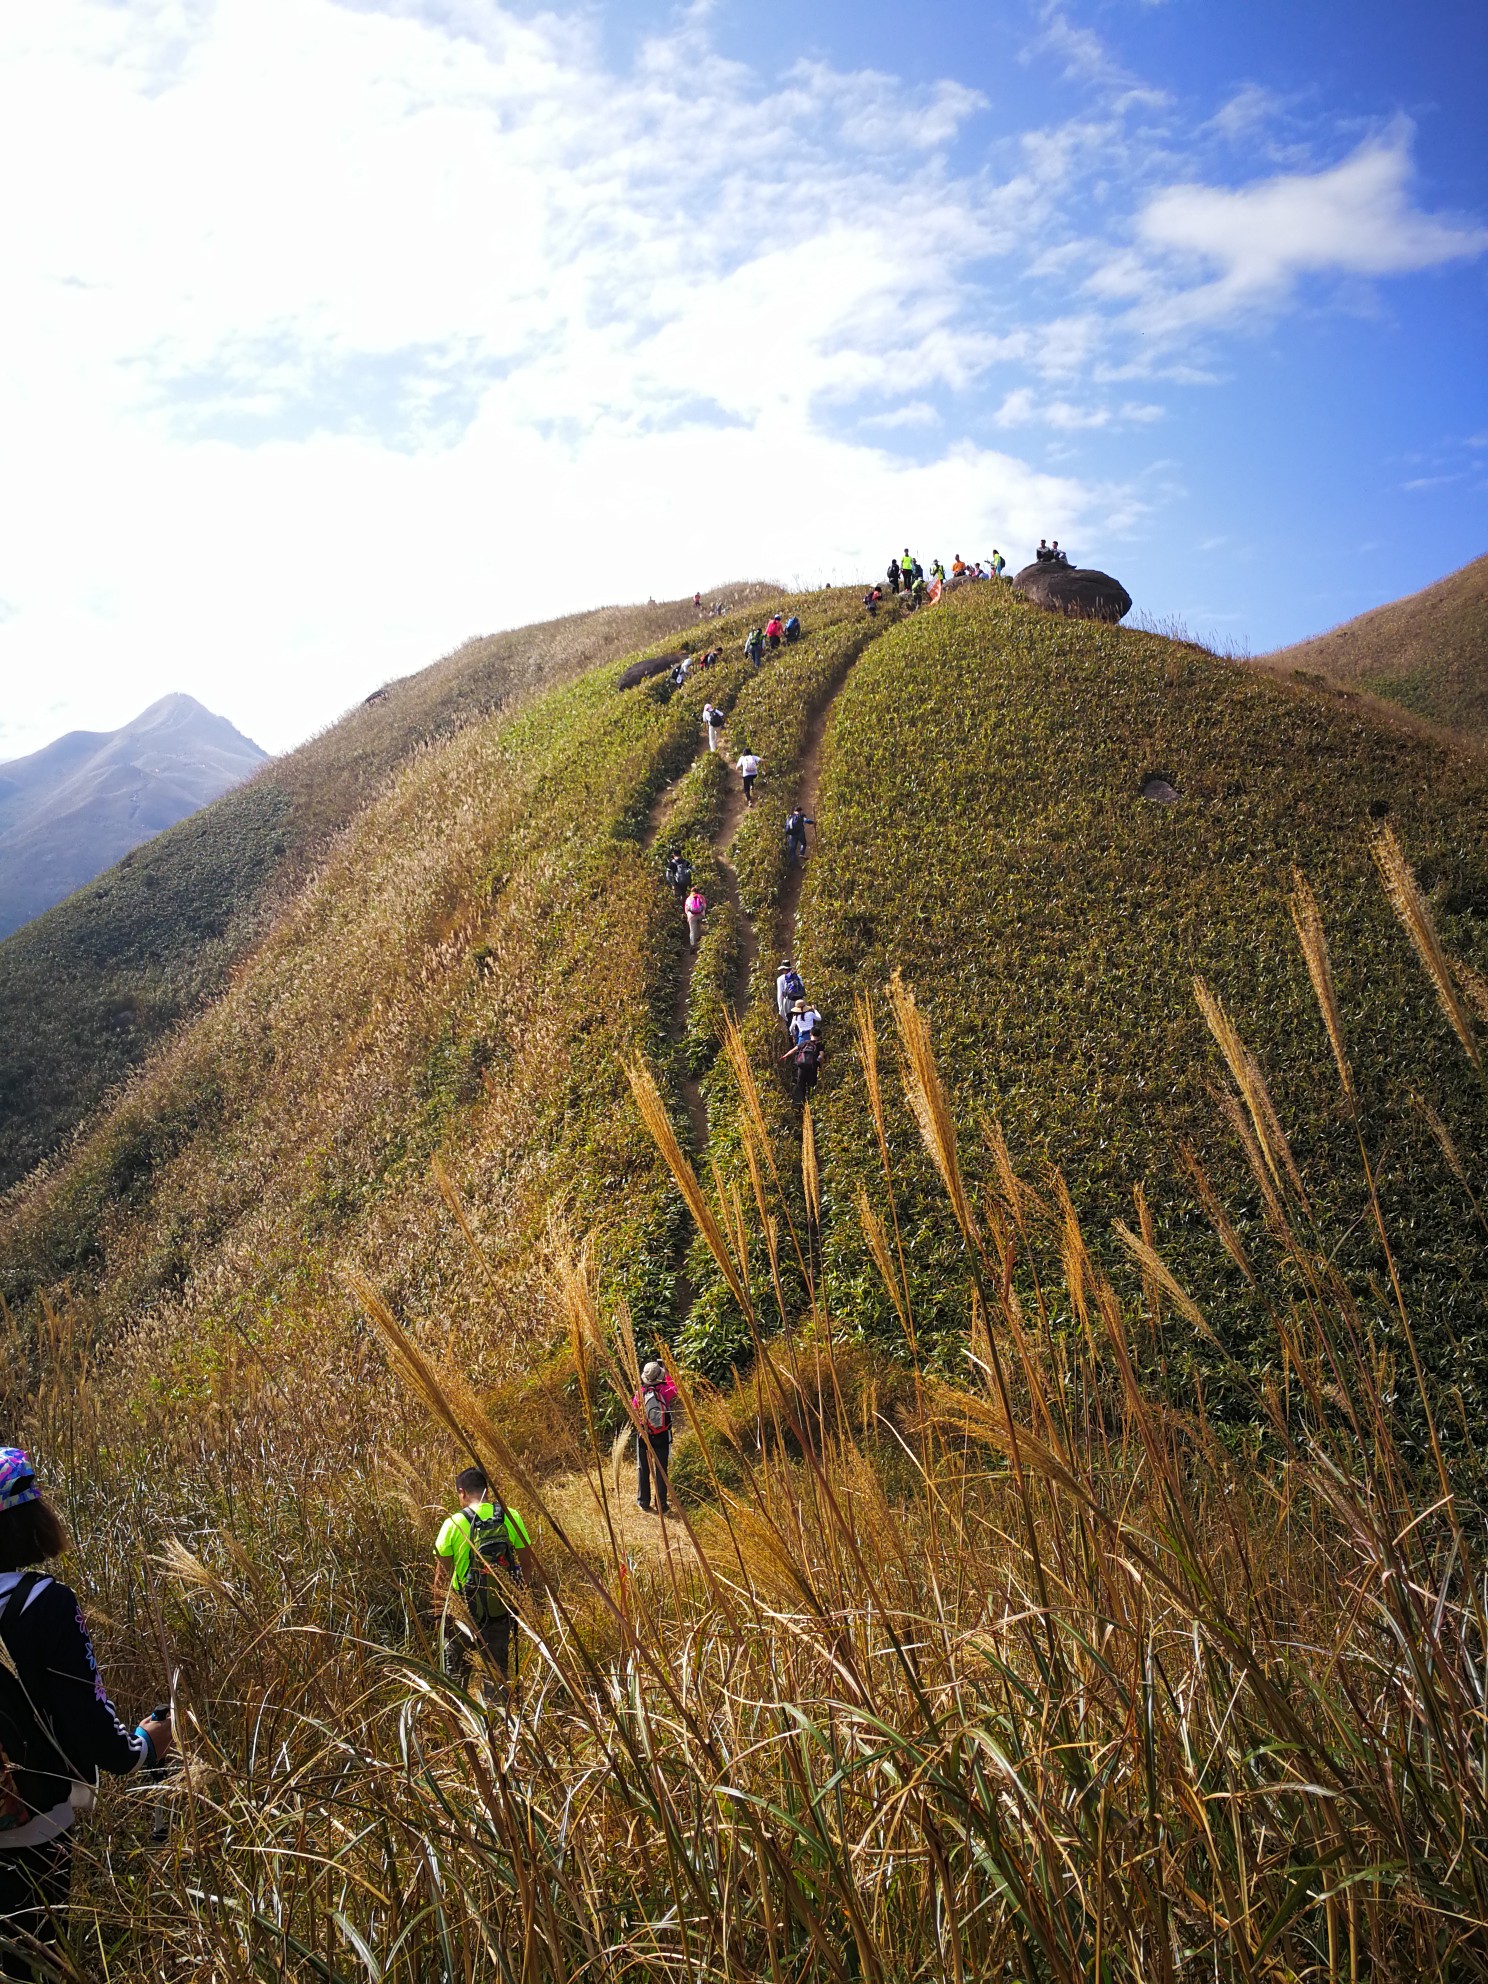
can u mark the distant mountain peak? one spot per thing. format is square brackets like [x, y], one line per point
[82, 802]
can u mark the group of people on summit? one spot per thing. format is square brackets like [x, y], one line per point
[906, 576]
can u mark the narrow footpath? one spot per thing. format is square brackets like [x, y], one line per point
[808, 784]
[582, 1500]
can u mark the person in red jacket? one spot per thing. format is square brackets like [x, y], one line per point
[774, 628]
[652, 1405]
[58, 1728]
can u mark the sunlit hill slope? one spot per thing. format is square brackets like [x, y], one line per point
[1429, 652]
[1073, 1568]
[88, 989]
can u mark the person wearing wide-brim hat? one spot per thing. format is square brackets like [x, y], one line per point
[803, 1017]
[652, 1406]
[58, 1729]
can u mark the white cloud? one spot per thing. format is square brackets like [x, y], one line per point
[1022, 408]
[1248, 110]
[1353, 219]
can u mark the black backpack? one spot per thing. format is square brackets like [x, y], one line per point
[809, 1053]
[493, 1566]
[34, 1775]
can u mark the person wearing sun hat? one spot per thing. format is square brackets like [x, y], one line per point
[58, 1729]
[652, 1405]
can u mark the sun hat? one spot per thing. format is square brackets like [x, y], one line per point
[17, 1478]
[799, 1006]
[652, 1373]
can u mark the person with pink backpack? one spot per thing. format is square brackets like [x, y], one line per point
[695, 908]
[652, 1405]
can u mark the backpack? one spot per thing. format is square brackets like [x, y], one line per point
[493, 1566]
[793, 987]
[33, 1775]
[658, 1419]
[792, 628]
[809, 1053]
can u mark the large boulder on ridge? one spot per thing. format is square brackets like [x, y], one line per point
[1075, 590]
[642, 671]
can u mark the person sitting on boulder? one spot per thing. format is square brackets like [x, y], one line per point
[958, 566]
[1043, 554]
[1056, 555]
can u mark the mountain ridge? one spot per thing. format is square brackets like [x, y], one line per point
[1426, 653]
[71, 809]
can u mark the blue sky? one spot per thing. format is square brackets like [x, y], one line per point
[338, 332]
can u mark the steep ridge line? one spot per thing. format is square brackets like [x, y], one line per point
[805, 783]
[585, 1491]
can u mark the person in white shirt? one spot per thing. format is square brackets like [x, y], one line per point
[749, 766]
[712, 718]
[804, 1018]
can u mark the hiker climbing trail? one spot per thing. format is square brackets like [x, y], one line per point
[808, 783]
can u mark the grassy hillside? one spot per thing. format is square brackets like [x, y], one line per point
[90, 988]
[462, 975]
[1046, 1600]
[1428, 652]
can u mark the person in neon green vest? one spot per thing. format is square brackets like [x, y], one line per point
[485, 1556]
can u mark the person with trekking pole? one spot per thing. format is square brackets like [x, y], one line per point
[58, 1728]
[485, 1558]
[652, 1405]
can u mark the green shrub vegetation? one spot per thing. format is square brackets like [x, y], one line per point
[985, 835]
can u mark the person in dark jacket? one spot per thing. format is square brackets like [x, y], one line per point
[58, 1728]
